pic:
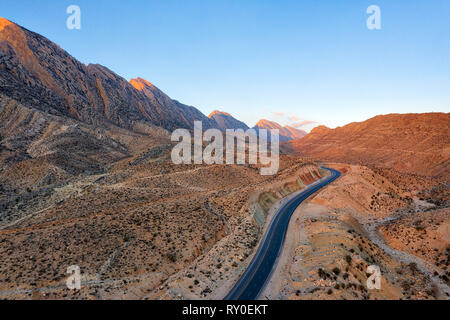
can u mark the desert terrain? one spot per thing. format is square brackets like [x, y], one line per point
[139, 227]
[367, 217]
[409, 143]
[87, 179]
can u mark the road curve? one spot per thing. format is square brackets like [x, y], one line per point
[254, 279]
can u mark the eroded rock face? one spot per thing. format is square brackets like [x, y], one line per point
[38, 73]
[414, 143]
[35, 143]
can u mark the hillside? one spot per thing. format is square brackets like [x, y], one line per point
[413, 143]
[38, 73]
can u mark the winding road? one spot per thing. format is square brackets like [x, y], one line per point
[254, 279]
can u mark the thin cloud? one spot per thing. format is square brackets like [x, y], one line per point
[294, 118]
[302, 123]
[278, 113]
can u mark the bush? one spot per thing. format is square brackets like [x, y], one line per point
[336, 271]
[322, 274]
[172, 257]
[413, 266]
[418, 225]
[348, 259]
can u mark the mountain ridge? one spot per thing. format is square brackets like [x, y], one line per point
[38, 73]
[414, 143]
[226, 121]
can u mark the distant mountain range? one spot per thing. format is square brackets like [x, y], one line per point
[75, 116]
[37, 73]
[286, 133]
[62, 118]
[415, 143]
[226, 121]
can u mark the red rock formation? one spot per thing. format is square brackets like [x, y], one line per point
[415, 143]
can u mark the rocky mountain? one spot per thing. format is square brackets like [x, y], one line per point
[415, 143]
[286, 133]
[171, 112]
[226, 121]
[60, 118]
[38, 73]
[40, 149]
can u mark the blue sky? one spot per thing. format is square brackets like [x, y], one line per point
[286, 61]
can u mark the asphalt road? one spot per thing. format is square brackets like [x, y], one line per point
[254, 279]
